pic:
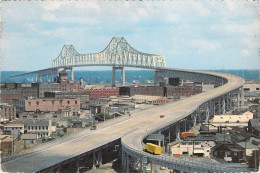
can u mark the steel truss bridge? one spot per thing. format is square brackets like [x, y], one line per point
[118, 54]
[131, 131]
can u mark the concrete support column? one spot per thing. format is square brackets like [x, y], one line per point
[155, 78]
[242, 97]
[72, 74]
[194, 119]
[123, 75]
[223, 105]
[177, 131]
[59, 168]
[238, 100]
[169, 134]
[77, 165]
[127, 163]
[94, 161]
[145, 164]
[207, 114]
[123, 160]
[52, 78]
[141, 165]
[113, 76]
[185, 125]
[97, 159]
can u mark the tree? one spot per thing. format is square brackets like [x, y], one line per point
[100, 116]
[256, 100]
[253, 161]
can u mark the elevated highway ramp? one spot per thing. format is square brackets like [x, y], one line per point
[133, 131]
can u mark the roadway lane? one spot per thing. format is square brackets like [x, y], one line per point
[140, 123]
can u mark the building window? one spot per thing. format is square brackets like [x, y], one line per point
[257, 88]
[76, 102]
[39, 127]
[35, 127]
[46, 127]
[37, 103]
[29, 103]
[52, 102]
[68, 102]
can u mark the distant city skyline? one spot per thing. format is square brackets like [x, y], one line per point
[191, 35]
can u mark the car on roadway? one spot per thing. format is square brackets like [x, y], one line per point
[93, 127]
[162, 116]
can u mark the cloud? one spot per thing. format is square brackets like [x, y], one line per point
[245, 53]
[51, 6]
[177, 30]
[205, 46]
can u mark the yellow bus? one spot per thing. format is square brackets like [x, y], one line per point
[152, 148]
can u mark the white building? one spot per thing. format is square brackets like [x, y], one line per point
[252, 86]
[232, 120]
[199, 148]
[15, 125]
[42, 128]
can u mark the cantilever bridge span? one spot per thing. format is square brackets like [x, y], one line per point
[118, 54]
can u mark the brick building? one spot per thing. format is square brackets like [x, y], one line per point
[83, 96]
[6, 144]
[182, 91]
[12, 91]
[168, 91]
[45, 87]
[7, 112]
[142, 90]
[102, 92]
[68, 86]
[48, 105]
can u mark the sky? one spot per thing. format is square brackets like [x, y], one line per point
[190, 35]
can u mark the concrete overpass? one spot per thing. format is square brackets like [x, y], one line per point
[132, 130]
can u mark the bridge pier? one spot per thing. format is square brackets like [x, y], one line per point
[71, 74]
[144, 164]
[97, 159]
[114, 68]
[177, 131]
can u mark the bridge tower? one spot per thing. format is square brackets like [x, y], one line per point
[114, 68]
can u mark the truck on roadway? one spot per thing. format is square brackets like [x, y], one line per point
[185, 134]
[152, 148]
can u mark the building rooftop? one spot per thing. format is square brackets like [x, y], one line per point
[36, 123]
[255, 122]
[12, 123]
[230, 146]
[6, 138]
[247, 145]
[28, 136]
[63, 72]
